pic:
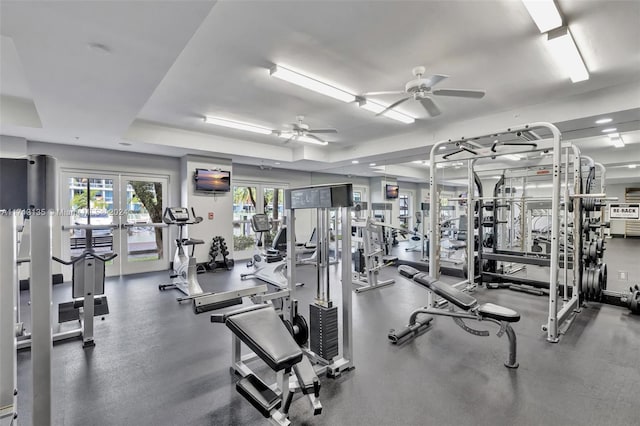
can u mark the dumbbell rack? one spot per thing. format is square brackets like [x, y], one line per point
[219, 250]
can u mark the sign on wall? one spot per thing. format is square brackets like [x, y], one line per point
[624, 211]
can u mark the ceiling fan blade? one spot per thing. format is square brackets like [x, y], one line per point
[322, 131]
[296, 126]
[435, 79]
[392, 92]
[430, 106]
[395, 104]
[476, 94]
[290, 139]
[316, 138]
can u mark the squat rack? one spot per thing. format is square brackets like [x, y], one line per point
[522, 139]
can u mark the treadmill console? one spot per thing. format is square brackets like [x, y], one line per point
[260, 223]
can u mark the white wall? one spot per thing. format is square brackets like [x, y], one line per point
[12, 147]
[618, 190]
[219, 204]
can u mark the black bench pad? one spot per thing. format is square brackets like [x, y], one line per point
[265, 334]
[261, 396]
[500, 313]
[408, 271]
[307, 378]
[389, 259]
[452, 294]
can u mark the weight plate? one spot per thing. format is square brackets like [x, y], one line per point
[603, 267]
[302, 335]
[585, 282]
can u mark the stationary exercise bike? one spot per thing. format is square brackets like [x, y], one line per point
[184, 275]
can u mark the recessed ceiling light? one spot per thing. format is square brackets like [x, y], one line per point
[417, 161]
[604, 120]
[354, 161]
[616, 140]
[609, 130]
[276, 163]
[125, 144]
[496, 177]
[632, 166]
[372, 164]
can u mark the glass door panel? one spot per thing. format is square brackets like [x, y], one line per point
[143, 234]
[273, 202]
[244, 207]
[90, 199]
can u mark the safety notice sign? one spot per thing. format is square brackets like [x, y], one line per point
[624, 211]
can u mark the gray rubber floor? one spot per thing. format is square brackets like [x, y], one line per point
[156, 363]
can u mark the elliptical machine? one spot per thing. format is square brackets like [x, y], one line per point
[184, 275]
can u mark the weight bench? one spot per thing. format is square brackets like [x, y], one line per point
[262, 330]
[468, 309]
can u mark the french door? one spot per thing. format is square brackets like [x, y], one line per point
[130, 207]
[250, 198]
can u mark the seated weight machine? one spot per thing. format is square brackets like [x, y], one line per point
[281, 341]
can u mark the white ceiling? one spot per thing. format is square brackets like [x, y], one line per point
[170, 63]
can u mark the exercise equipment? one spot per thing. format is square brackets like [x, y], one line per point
[370, 257]
[218, 255]
[330, 345]
[184, 275]
[261, 329]
[36, 180]
[87, 282]
[269, 266]
[468, 309]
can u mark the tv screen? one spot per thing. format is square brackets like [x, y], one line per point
[212, 180]
[392, 192]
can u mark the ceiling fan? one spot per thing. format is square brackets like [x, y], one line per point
[301, 131]
[421, 89]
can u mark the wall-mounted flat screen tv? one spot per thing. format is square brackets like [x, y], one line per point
[212, 180]
[391, 192]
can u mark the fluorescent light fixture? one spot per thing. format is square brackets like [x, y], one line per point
[604, 120]
[354, 161]
[417, 161]
[237, 125]
[302, 138]
[544, 185]
[394, 115]
[616, 140]
[442, 148]
[318, 86]
[566, 54]
[609, 130]
[512, 157]
[372, 164]
[496, 177]
[632, 166]
[544, 13]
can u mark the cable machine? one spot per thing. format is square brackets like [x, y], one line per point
[324, 345]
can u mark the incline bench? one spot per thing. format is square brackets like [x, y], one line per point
[470, 309]
[262, 330]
